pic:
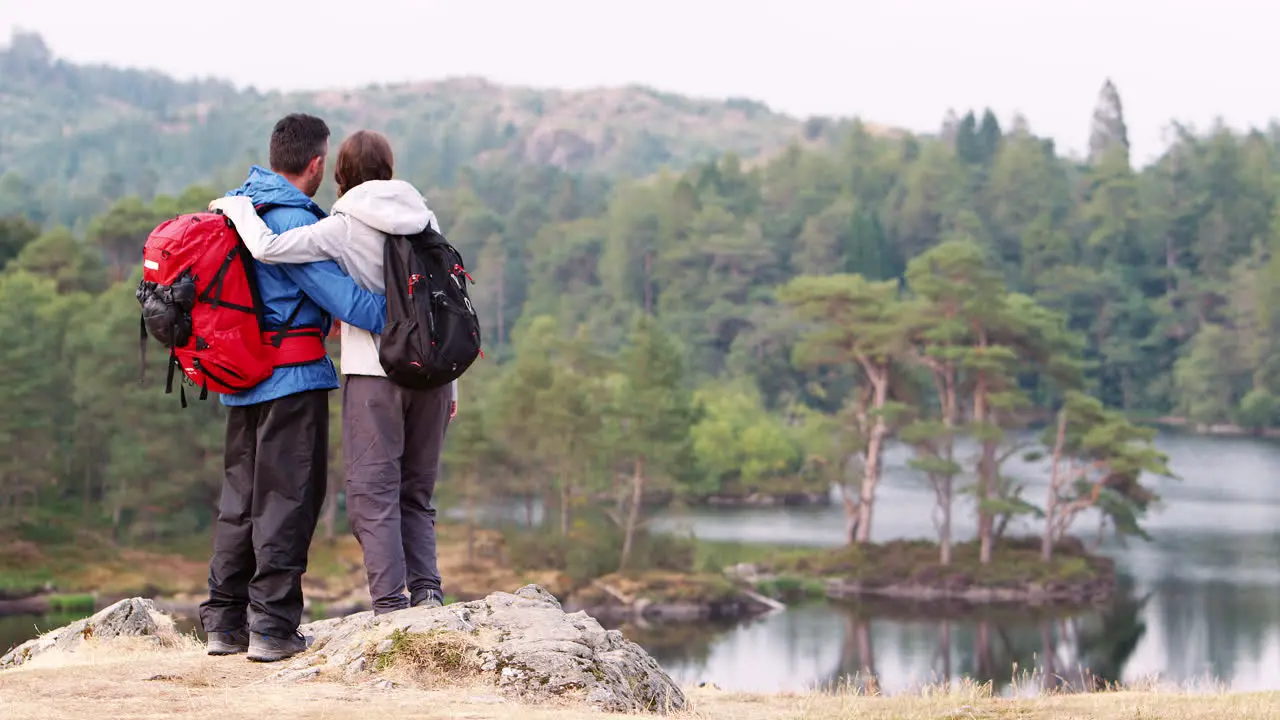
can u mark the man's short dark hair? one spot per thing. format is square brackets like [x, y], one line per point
[295, 140]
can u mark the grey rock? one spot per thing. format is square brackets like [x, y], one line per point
[300, 674]
[524, 643]
[132, 617]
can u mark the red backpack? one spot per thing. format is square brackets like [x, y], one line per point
[199, 297]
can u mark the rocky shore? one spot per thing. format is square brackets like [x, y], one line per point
[671, 597]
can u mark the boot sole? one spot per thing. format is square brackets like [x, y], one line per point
[270, 658]
[220, 650]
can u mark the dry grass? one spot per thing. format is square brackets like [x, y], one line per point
[429, 660]
[92, 685]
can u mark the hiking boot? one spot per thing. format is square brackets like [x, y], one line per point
[429, 598]
[270, 648]
[227, 643]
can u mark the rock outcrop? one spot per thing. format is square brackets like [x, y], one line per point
[131, 618]
[523, 642]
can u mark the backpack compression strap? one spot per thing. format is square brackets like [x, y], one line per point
[294, 345]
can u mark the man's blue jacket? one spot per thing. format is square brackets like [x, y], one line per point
[322, 288]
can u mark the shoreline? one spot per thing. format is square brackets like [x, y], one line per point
[731, 499]
[1215, 430]
[744, 580]
[1026, 596]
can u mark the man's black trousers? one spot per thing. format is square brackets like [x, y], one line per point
[276, 477]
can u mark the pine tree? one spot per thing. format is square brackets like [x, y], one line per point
[652, 413]
[854, 323]
[32, 388]
[1099, 458]
[1108, 131]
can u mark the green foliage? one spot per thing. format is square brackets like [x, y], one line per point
[741, 445]
[81, 603]
[59, 256]
[1203, 380]
[1258, 409]
[651, 411]
[791, 589]
[16, 232]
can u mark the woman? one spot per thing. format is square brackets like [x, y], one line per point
[391, 436]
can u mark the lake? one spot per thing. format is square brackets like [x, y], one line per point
[1204, 607]
[1202, 600]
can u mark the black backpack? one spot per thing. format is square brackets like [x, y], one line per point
[432, 332]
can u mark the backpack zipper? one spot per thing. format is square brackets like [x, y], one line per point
[414, 279]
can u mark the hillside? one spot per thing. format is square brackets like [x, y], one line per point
[81, 136]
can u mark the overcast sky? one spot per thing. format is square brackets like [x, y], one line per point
[902, 62]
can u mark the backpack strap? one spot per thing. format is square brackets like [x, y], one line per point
[294, 345]
[142, 348]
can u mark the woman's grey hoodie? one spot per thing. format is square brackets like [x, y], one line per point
[353, 236]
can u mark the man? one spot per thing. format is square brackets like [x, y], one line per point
[277, 432]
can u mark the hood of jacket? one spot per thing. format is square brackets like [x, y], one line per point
[265, 187]
[391, 206]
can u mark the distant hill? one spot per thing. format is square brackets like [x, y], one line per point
[79, 136]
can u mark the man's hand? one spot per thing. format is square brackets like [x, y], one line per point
[453, 409]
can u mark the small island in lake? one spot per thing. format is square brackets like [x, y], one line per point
[910, 570]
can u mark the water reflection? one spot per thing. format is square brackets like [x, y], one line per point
[896, 648]
[17, 629]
